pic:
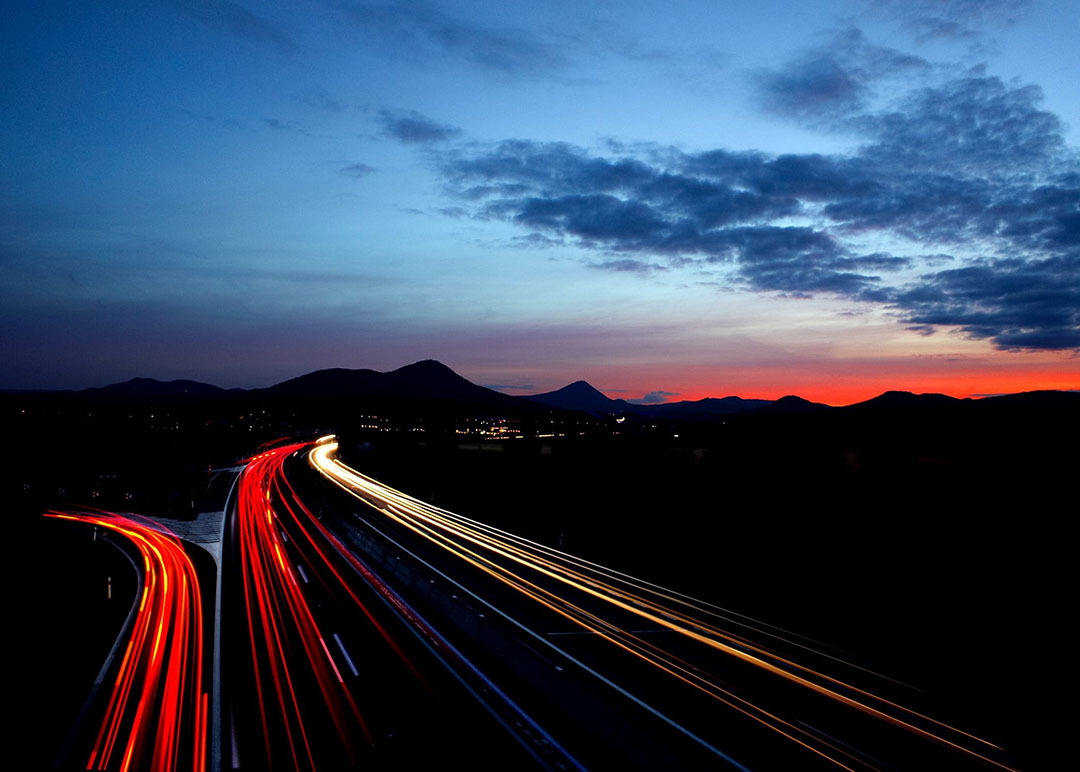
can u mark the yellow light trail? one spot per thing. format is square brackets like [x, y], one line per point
[511, 560]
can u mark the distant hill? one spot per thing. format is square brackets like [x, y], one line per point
[905, 400]
[428, 379]
[332, 382]
[150, 387]
[793, 404]
[579, 395]
[432, 380]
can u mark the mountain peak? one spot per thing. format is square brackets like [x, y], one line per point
[579, 395]
[793, 404]
[425, 364]
[907, 399]
[426, 379]
[426, 369]
[581, 387]
[152, 387]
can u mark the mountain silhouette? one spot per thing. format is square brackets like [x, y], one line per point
[580, 395]
[793, 404]
[900, 400]
[430, 379]
[151, 387]
[427, 379]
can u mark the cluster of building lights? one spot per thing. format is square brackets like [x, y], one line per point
[490, 429]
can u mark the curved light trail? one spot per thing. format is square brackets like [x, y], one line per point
[156, 715]
[288, 644]
[280, 624]
[604, 602]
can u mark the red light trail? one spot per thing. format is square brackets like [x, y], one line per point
[156, 716]
[302, 598]
[299, 581]
[279, 619]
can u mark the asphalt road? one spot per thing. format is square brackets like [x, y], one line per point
[322, 667]
[631, 674]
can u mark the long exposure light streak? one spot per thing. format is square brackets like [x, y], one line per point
[566, 584]
[156, 715]
[273, 521]
[279, 617]
[498, 703]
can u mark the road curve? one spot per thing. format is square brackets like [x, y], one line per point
[156, 714]
[800, 692]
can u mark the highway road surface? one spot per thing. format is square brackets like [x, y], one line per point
[325, 666]
[363, 628]
[720, 689]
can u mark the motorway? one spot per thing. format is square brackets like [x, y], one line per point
[325, 666]
[717, 689]
[360, 627]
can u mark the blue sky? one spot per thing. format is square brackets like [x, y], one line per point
[694, 198]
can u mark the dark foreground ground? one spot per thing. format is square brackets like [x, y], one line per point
[952, 581]
[932, 547]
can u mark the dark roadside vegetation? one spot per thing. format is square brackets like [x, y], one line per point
[929, 544]
[930, 541]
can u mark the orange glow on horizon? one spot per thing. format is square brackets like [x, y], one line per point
[845, 383]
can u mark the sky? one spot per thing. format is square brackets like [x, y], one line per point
[670, 200]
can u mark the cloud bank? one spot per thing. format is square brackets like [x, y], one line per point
[411, 127]
[966, 171]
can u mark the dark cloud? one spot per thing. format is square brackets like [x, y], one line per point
[1019, 304]
[815, 84]
[968, 167]
[596, 218]
[676, 213]
[413, 128]
[834, 79]
[803, 261]
[357, 170]
[1046, 217]
[655, 397]
[627, 265]
[975, 124]
[421, 28]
